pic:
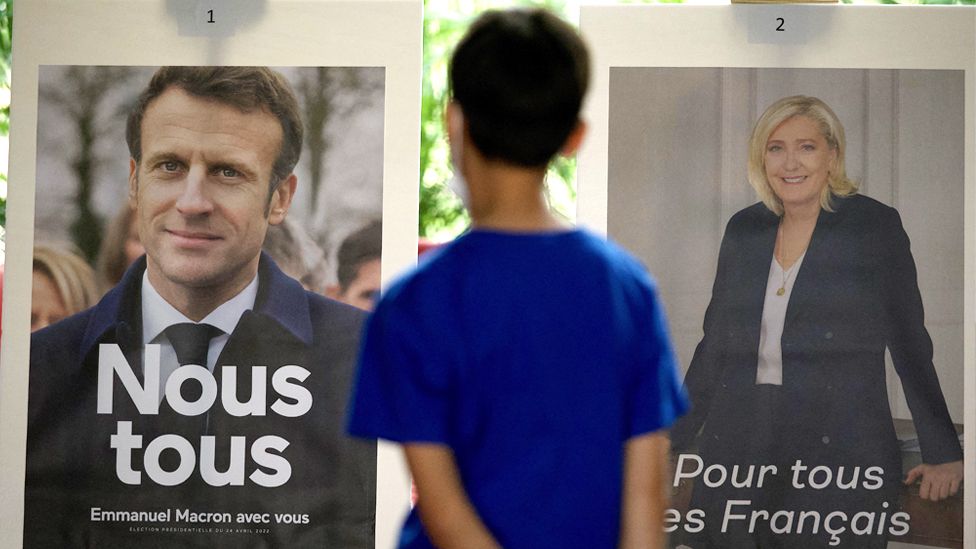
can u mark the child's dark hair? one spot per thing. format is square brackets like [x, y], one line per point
[520, 77]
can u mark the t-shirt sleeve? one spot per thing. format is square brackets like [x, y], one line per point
[401, 392]
[656, 394]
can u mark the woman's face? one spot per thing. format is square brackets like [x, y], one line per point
[798, 161]
[47, 307]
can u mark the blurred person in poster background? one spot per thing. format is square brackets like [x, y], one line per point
[297, 255]
[63, 284]
[120, 248]
[358, 272]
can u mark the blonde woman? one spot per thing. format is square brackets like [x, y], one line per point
[814, 283]
[63, 284]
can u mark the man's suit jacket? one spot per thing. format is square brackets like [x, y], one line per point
[855, 294]
[71, 466]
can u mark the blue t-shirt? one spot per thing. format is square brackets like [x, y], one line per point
[534, 357]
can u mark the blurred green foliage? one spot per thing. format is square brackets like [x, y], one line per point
[440, 210]
[441, 213]
[6, 36]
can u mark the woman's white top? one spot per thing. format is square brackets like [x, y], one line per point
[770, 368]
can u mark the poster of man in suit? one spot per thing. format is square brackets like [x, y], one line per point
[201, 399]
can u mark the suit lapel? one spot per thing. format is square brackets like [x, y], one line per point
[755, 268]
[815, 269]
[256, 341]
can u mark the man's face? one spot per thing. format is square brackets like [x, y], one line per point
[201, 192]
[364, 289]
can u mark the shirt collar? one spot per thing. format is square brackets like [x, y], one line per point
[279, 298]
[158, 314]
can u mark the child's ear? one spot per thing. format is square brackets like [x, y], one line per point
[574, 140]
[454, 122]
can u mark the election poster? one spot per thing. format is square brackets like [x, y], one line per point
[208, 233]
[829, 383]
[263, 454]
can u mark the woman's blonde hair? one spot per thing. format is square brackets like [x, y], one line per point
[72, 276]
[830, 127]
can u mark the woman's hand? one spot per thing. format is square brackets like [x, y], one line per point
[938, 482]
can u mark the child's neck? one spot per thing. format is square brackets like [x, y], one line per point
[544, 222]
[511, 198]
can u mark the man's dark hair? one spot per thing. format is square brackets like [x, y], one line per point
[358, 248]
[520, 77]
[246, 88]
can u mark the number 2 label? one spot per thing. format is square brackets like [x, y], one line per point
[779, 28]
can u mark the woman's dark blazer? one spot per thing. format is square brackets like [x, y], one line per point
[855, 294]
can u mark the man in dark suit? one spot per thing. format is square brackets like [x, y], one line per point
[200, 403]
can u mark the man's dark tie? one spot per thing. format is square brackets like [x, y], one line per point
[191, 341]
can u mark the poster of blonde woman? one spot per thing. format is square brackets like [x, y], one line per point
[208, 180]
[807, 228]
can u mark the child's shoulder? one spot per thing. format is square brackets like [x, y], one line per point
[620, 262]
[424, 283]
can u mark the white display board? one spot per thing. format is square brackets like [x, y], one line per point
[676, 92]
[385, 35]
